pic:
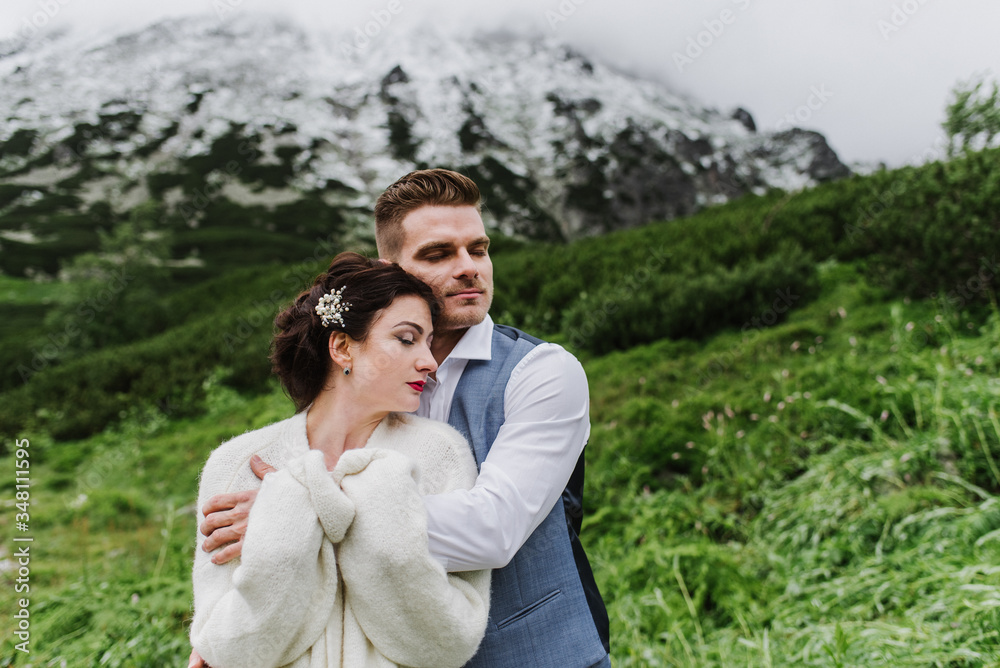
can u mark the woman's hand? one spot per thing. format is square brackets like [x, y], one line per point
[226, 518]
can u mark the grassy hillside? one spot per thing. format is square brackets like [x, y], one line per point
[794, 460]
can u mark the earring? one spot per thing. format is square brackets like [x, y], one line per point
[347, 371]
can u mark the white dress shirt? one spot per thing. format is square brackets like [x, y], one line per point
[546, 425]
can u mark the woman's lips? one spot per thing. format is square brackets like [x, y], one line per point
[417, 385]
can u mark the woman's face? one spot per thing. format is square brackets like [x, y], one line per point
[389, 368]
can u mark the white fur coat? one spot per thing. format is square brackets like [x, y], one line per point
[335, 569]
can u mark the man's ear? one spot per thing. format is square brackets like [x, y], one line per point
[339, 346]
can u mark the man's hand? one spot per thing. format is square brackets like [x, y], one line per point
[226, 518]
[195, 661]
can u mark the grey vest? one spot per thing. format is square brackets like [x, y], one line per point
[545, 610]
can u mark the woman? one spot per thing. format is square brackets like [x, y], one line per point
[335, 569]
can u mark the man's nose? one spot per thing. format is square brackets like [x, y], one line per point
[465, 265]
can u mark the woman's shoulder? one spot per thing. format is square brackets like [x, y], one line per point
[229, 462]
[441, 451]
[407, 431]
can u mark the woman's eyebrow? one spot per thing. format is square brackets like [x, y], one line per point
[420, 330]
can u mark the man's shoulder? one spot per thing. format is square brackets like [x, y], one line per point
[516, 334]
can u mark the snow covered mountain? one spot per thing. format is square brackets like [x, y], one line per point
[263, 114]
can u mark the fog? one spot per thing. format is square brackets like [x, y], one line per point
[873, 75]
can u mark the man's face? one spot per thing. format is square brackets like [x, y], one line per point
[447, 248]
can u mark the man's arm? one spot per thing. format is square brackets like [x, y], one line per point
[547, 423]
[226, 517]
[225, 524]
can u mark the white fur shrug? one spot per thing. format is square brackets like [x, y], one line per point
[335, 569]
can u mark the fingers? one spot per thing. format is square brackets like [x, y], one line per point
[195, 660]
[228, 553]
[221, 502]
[224, 510]
[221, 537]
[260, 468]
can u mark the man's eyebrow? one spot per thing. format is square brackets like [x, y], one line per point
[433, 246]
[420, 330]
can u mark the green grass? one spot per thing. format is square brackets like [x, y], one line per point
[764, 499]
[805, 486]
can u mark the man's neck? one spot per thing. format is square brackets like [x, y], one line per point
[444, 342]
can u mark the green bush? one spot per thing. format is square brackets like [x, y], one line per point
[934, 231]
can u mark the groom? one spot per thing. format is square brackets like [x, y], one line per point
[523, 406]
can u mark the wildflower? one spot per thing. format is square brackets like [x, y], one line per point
[968, 372]
[754, 417]
[881, 380]
[819, 339]
[767, 397]
[781, 405]
[884, 416]
[803, 434]
[773, 418]
[740, 434]
[909, 327]
[905, 458]
[795, 345]
[807, 395]
[979, 359]
[642, 380]
[676, 455]
[784, 373]
[704, 470]
[135, 599]
[689, 445]
[675, 403]
[729, 412]
[853, 341]
[812, 350]
[842, 311]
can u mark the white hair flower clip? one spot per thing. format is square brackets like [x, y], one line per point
[331, 308]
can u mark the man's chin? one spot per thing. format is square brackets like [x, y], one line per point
[464, 319]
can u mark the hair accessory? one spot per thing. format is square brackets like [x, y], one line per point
[331, 307]
[347, 371]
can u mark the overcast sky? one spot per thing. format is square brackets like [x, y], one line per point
[872, 75]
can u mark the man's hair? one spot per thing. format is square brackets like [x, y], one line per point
[425, 187]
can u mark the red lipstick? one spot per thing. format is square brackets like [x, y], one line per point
[417, 385]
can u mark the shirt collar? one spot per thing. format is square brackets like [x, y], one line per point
[476, 343]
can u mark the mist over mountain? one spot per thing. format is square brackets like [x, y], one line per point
[258, 124]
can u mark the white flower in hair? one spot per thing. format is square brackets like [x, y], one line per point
[331, 308]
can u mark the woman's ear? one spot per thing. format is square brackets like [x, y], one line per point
[340, 353]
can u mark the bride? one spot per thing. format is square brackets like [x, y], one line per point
[335, 569]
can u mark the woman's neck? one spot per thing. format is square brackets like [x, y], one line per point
[336, 424]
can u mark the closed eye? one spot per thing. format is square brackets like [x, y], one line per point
[405, 341]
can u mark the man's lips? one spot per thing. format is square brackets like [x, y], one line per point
[417, 385]
[466, 294]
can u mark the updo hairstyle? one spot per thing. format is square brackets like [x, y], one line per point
[300, 354]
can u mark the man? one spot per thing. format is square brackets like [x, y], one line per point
[523, 406]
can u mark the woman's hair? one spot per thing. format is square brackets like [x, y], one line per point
[300, 348]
